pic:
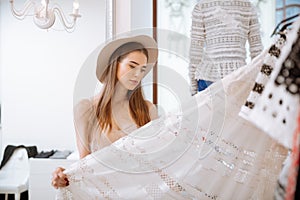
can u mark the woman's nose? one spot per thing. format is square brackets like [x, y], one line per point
[137, 72]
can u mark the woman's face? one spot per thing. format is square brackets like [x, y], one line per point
[131, 69]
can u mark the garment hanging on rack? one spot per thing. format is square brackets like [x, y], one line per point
[288, 181]
[264, 75]
[275, 111]
[293, 170]
[284, 23]
[187, 155]
[297, 192]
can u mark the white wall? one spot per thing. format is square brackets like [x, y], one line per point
[141, 14]
[123, 10]
[39, 69]
[133, 14]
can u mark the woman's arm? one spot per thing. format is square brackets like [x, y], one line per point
[82, 117]
[82, 149]
[59, 179]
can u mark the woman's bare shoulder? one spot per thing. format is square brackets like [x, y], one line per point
[84, 108]
[149, 104]
[83, 105]
[152, 110]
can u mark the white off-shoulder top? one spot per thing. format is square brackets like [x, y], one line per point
[87, 127]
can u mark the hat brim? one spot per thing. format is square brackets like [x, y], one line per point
[148, 42]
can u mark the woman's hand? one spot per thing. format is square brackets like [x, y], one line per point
[59, 179]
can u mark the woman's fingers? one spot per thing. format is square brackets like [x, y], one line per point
[63, 178]
[59, 179]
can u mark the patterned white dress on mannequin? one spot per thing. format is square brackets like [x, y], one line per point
[219, 32]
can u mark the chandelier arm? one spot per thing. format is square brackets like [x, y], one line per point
[64, 20]
[21, 14]
[44, 16]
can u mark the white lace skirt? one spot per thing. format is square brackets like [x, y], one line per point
[205, 151]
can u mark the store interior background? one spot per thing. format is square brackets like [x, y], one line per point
[38, 68]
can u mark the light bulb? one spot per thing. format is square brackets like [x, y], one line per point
[44, 3]
[75, 8]
[75, 5]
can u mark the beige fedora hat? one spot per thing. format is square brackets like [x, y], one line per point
[105, 53]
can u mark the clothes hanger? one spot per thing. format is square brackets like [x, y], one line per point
[281, 31]
[284, 26]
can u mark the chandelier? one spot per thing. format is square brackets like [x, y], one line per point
[44, 14]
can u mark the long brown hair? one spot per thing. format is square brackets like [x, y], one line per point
[138, 107]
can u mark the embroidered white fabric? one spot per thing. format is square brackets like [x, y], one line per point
[263, 77]
[206, 151]
[276, 110]
[220, 29]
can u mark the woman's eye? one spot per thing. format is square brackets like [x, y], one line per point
[131, 66]
[143, 70]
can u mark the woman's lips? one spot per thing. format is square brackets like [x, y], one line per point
[134, 82]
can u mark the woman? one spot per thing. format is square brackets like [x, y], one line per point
[120, 108]
[233, 157]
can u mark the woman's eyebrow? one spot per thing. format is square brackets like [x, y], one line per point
[134, 62]
[137, 63]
